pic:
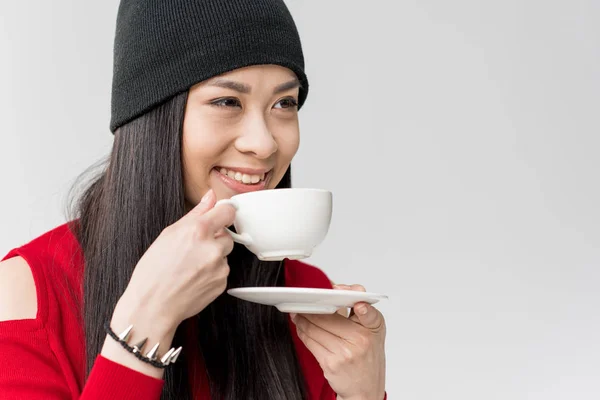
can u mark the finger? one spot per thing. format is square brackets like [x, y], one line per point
[220, 217]
[207, 202]
[368, 316]
[325, 339]
[343, 312]
[317, 350]
[356, 288]
[221, 232]
[341, 287]
[226, 244]
[335, 324]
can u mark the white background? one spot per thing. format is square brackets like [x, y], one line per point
[460, 139]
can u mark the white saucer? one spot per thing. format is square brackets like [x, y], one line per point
[305, 300]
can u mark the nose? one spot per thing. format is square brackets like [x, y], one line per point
[256, 139]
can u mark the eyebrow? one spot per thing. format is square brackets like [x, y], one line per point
[293, 84]
[243, 88]
[227, 84]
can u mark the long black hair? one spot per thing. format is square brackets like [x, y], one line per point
[247, 348]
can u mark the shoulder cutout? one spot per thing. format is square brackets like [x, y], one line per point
[18, 298]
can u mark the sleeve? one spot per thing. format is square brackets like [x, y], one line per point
[29, 370]
[109, 380]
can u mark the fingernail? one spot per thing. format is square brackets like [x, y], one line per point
[293, 316]
[362, 310]
[206, 196]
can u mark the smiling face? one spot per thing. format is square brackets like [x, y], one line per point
[240, 131]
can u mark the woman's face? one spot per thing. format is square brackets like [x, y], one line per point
[240, 131]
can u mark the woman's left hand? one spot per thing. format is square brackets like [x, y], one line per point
[351, 351]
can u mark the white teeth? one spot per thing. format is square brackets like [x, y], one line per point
[244, 178]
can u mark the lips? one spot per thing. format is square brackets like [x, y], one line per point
[243, 180]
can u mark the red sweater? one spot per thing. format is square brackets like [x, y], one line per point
[43, 358]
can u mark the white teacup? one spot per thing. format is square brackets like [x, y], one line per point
[281, 223]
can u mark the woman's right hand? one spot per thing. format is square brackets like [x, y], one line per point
[185, 269]
[181, 273]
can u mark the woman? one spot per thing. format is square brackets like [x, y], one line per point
[204, 106]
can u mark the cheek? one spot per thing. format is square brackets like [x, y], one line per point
[288, 142]
[200, 150]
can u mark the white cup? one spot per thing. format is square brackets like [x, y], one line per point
[281, 223]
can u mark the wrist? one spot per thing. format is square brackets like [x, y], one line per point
[362, 397]
[146, 324]
[146, 319]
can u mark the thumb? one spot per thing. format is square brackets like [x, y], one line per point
[368, 316]
[206, 203]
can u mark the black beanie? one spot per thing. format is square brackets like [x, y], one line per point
[163, 47]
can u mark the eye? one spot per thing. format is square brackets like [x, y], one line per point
[227, 102]
[288, 102]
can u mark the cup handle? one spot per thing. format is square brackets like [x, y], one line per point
[244, 238]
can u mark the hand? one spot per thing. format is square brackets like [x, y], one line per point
[181, 273]
[351, 351]
[185, 268]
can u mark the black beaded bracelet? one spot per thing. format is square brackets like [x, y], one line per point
[138, 353]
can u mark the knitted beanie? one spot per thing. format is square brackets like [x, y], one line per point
[163, 47]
